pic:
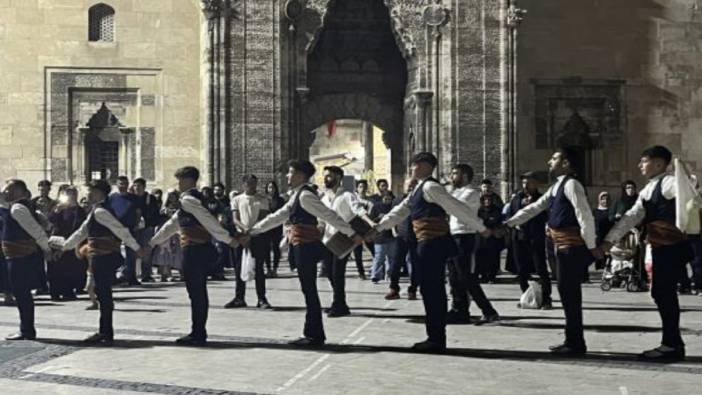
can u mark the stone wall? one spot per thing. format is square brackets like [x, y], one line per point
[155, 54]
[650, 49]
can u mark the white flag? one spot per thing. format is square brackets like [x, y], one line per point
[685, 192]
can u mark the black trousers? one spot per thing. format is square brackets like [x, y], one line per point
[259, 249]
[335, 268]
[463, 277]
[274, 238]
[431, 262]
[358, 257]
[306, 258]
[104, 268]
[531, 253]
[696, 245]
[399, 255]
[667, 261]
[196, 261]
[570, 265]
[4, 276]
[24, 276]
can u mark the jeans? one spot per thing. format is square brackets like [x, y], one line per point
[532, 253]
[143, 236]
[403, 252]
[431, 263]
[381, 261]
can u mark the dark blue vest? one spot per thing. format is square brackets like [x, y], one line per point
[95, 229]
[420, 208]
[561, 213]
[298, 215]
[185, 219]
[658, 208]
[12, 230]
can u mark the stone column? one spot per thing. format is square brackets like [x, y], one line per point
[510, 139]
[211, 10]
[367, 138]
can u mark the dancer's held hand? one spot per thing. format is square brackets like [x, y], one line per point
[357, 239]
[244, 239]
[143, 252]
[606, 246]
[597, 253]
[486, 233]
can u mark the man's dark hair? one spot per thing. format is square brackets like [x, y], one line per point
[188, 172]
[573, 157]
[627, 183]
[359, 182]
[123, 179]
[485, 182]
[658, 152]
[336, 170]
[530, 175]
[380, 181]
[101, 185]
[247, 178]
[466, 170]
[219, 184]
[303, 166]
[17, 183]
[426, 157]
[140, 181]
[44, 183]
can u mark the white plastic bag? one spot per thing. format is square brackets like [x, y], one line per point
[533, 297]
[248, 266]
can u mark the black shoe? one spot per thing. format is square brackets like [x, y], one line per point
[685, 291]
[363, 277]
[457, 317]
[263, 304]
[190, 340]
[565, 349]
[218, 277]
[21, 336]
[335, 312]
[547, 306]
[99, 339]
[134, 283]
[70, 297]
[489, 319]
[429, 347]
[55, 298]
[658, 355]
[148, 279]
[235, 304]
[307, 342]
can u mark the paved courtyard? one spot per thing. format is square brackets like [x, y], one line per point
[368, 352]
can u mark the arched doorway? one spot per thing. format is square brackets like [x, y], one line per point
[356, 71]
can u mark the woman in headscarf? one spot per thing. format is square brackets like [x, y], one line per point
[603, 223]
[68, 274]
[625, 202]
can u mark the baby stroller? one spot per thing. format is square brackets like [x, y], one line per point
[625, 267]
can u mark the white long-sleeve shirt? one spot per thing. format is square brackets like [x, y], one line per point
[345, 204]
[575, 193]
[637, 212]
[106, 219]
[433, 192]
[311, 203]
[471, 198]
[192, 205]
[26, 220]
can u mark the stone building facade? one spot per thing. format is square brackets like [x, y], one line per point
[241, 86]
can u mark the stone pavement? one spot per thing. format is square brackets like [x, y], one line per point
[368, 352]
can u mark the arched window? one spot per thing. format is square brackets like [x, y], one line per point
[101, 20]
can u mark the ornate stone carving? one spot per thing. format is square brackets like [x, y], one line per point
[434, 15]
[515, 16]
[405, 16]
[216, 8]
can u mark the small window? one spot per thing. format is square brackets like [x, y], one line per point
[101, 18]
